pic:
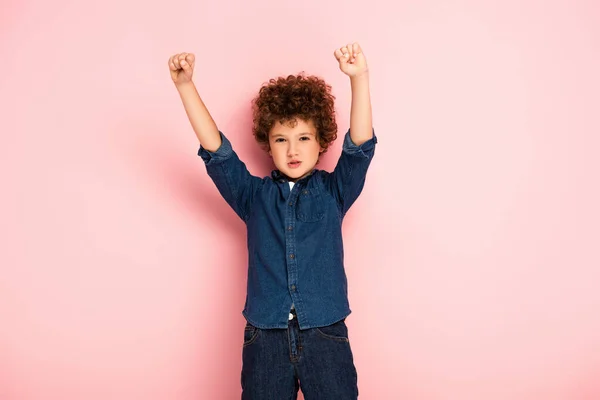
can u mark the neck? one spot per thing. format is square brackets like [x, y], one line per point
[297, 179]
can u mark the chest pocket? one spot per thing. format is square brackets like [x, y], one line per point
[310, 205]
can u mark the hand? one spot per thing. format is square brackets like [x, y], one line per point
[352, 60]
[181, 67]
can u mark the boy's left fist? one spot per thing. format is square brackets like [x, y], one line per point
[352, 60]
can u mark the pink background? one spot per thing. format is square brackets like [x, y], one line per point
[472, 255]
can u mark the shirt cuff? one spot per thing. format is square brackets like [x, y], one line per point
[221, 154]
[366, 149]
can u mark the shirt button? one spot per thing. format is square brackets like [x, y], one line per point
[291, 204]
[305, 192]
[292, 256]
[289, 228]
[291, 317]
[293, 287]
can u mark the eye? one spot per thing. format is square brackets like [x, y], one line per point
[305, 138]
[279, 140]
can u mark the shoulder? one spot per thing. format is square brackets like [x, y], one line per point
[321, 179]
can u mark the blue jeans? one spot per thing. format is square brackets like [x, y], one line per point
[277, 362]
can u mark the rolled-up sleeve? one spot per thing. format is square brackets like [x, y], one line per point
[348, 178]
[221, 154]
[237, 186]
[366, 150]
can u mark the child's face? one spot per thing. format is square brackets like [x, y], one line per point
[295, 150]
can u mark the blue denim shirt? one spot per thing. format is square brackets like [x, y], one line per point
[295, 248]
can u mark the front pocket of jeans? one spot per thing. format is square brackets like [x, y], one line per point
[337, 332]
[310, 205]
[250, 334]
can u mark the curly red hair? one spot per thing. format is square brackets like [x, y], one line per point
[295, 97]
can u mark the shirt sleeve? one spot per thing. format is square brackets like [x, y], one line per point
[348, 178]
[237, 186]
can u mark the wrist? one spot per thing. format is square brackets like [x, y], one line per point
[183, 86]
[363, 77]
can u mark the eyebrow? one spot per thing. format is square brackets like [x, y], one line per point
[299, 134]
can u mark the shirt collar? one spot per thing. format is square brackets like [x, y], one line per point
[279, 177]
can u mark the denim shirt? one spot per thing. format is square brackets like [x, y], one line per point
[294, 237]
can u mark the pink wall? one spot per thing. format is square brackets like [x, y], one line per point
[473, 254]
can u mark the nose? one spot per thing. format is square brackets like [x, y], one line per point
[292, 150]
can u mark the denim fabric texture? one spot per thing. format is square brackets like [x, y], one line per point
[294, 237]
[278, 362]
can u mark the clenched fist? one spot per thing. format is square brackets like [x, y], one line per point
[182, 67]
[352, 60]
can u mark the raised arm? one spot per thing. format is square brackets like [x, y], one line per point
[182, 69]
[354, 64]
[237, 186]
[348, 177]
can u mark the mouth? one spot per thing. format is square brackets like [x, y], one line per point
[294, 164]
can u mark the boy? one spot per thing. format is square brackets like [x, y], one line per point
[296, 302]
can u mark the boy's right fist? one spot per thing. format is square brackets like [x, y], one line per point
[182, 67]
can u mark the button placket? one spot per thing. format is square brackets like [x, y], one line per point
[290, 242]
